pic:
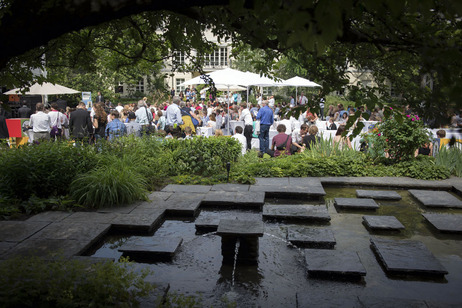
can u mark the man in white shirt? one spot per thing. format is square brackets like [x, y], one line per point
[242, 140]
[244, 115]
[173, 117]
[119, 108]
[40, 123]
[143, 117]
[271, 102]
[302, 100]
[297, 138]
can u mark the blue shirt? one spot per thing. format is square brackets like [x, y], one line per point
[265, 115]
[115, 129]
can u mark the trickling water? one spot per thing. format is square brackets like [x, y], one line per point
[283, 240]
[210, 233]
[236, 251]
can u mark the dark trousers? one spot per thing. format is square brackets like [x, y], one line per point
[248, 130]
[264, 137]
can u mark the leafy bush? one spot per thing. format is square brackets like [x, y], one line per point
[204, 156]
[402, 135]
[115, 183]
[32, 282]
[450, 158]
[43, 170]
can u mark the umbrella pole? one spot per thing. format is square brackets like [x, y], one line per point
[228, 110]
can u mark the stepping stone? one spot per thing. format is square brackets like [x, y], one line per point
[139, 222]
[383, 223]
[187, 188]
[183, 204]
[378, 194]
[295, 192]
[431, 198]
[334, 263]
[17, 231]
[234, 227]
[271, 181]
[84, 232]
[50, 216]
[406, 257]
[47, 248]
[230, 187]
[356, 203]
[301, 212]
[157, 249]
[235, 199]
[311, 237]
[208, 222]
[449, 223]
[91, 217]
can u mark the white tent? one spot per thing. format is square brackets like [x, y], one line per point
[299, 82]
[44, 89]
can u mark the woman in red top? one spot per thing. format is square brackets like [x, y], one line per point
[281, 143]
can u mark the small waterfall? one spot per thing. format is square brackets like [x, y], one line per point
[284, 240]
[236, 251]
[208, 234]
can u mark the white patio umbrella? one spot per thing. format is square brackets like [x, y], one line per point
[299, 82]
[44, 89]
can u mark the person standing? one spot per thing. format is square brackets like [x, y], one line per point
[143, 117]
[57, 122]
[244, 115]
[302, 100]
[115, 129]
[321, 108]
[99, 98]
[133, 128]
[24, 111]
[173, 117]
[40, 123]
[80, 123]
[265, 115]
[4, 134]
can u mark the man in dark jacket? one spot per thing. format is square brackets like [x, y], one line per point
[24, 111]
[80, 122]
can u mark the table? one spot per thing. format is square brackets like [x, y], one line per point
[204, 131]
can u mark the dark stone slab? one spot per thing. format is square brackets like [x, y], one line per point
[234, 227]
[301, 212]
[333, 263]
[439, 304]
[159, 195]
[140, 222]
[187, 188]
[431, 198]
[183, 204]
[6, 246]
[47, 248]
[458, 189]
[383, 223]
[208, 222]
[80, 231]
[271, 181]
[356, 203]
[17, 231]
[311, 237]
[390, 302]
[149, 207]
[388, 182]
[304, 181]
[378, 194]
[91, 217]
[406, 257]
[279, 191]
[50, 216]
[161, 248]
[449, 223]
[230, 187]
[234, 199]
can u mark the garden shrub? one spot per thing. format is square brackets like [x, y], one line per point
[33, 282]
[450, 158]
[44, 170]
[401, 136]
[113, 184]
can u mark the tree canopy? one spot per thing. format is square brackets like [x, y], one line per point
[403, 42]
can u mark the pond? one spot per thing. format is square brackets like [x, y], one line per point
[279, 278]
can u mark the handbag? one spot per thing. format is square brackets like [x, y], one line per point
[55, 131]
[282, 146]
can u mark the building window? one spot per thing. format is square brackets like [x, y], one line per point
[178, 58]
[140, 86]
[218, 58]
[179, 88]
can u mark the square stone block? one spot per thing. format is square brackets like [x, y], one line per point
[432, 198]
[356, 203]
[334, 263]
[187, 188]
[378, 194]
[311, 237]
[406, 257]
[208, 221]
[295, 192]
[158, 248]
[383, 223]
[244, 228]
[234, 199]
[17, 231]
[449, 223]
[142, 222]
[50, 216]
[301, 212]
[183, 204]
